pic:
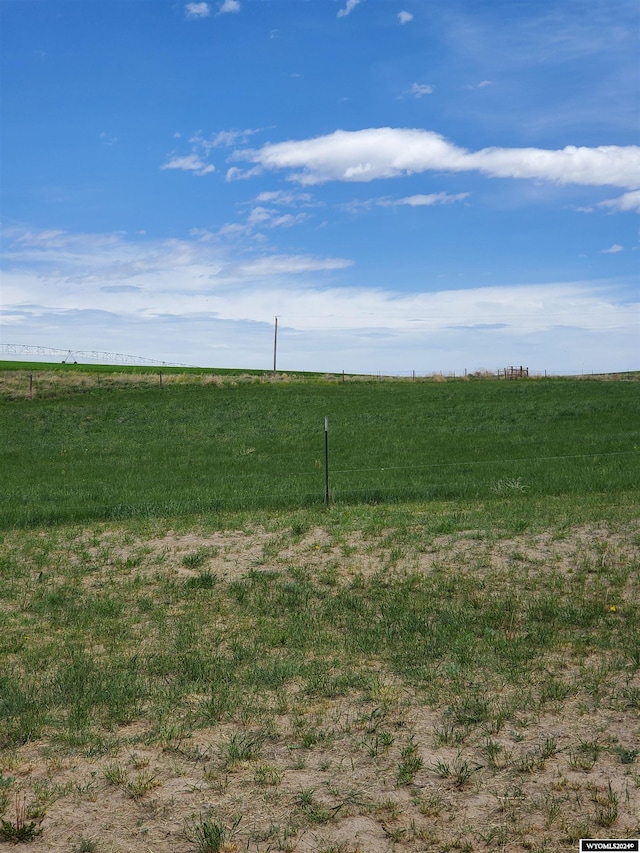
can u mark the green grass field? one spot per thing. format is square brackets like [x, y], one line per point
[197, 655]
[131, 450]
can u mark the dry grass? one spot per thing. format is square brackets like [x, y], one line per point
[376, 764]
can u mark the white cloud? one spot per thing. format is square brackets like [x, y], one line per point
[613, 250]
[171, 299]
[223, 139]
[197, 10]
[405, 17]
[265, 217]
[287, 199]
[351, 5]
[426, 200]
[627, 202]
[231, 6]
[236, 174]
[419, 200]
[201, 149]
[421, 89]
[386, 152]
[108, 138]
[278, 265]
[189, 163]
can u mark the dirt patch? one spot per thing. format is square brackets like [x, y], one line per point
[374, 772]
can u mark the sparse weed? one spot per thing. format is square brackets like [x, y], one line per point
[492, 749]
[527, 761]
[6, 781]
[431, 805]
[627, 756]
[460, 771]
[20, 830]
[85, 845]
[267, 774]
[470, 710]
[497, 834]
[241, 747]
[395, 834]
[449, 736]
[305, 797]
[573, 831]
[508, 486]
[388, 809]
[203, 580]
[115, 774]
[549, 747]
[375, 743]
[551, 806]
[338, 847]
[606, 812]
[208, 834]
[137, 787]
[313, 811]
[585, 755]
[195, 559]
[410, 764]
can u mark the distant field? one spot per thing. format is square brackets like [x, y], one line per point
[40, 367]
[124, 448]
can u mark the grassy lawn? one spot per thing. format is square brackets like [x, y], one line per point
[457, 671]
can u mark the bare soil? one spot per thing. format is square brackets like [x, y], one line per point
[553, 778]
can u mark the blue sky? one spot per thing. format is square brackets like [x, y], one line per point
[426, 185]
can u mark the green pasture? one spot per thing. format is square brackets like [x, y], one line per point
[109, 452]
[177, 604]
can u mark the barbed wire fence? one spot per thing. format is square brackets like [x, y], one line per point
[313, 466]
[310, 477]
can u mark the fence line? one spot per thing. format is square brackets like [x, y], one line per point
[487, 462]
[471, 462]
[47, 508]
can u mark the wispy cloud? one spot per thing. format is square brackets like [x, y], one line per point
[386, 152]
[418, 90]
[287, 199]
[201, 148]
[189, 163]
[197, 10]
[179, 267]
[481, 85]
[613, 250]
[425, 200]
[627, 202]
[222, 139]
[278, 265]
[266, 212]
[265, 217]
[108, 138]
[229, 6]
[351, 5]
[419, 200]
[405, 17]
[122, 294]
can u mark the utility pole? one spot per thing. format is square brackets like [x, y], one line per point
[275, 347]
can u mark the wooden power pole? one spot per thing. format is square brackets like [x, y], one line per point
[275, 347]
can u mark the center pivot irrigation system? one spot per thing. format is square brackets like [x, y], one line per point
[73, 356]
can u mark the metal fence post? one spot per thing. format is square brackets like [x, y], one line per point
[326, 461]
